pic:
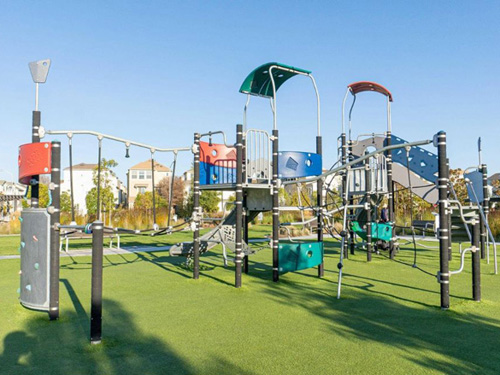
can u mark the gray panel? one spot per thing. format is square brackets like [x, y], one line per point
[39, 70]
[35, 258]
[259, 199]
[424, 189]
[476, 178]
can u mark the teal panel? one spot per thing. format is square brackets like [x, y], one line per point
[259, 83]
[299, 256]
[380, 231]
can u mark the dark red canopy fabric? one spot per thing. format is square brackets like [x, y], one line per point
[369, 86]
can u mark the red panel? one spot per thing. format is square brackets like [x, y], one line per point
[34, 159]
[218, 154]
[369, 86]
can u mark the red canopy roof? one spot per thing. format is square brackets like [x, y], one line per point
[369, 86]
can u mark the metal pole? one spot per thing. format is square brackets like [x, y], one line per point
[70, 141]
[239, 204]
[450, 234]
[153, 189]
[485, 203]
[171, 192]
[319, 203]
[443, 180]
[99, 180]
[476, 262]
[390, 201]
[96, 297]
[35, 138]
[368, 211]
[246, 222]
[55, 217]
[276, 209]
[196, 207]
[344, 184]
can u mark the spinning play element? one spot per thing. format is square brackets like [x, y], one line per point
[34, 159]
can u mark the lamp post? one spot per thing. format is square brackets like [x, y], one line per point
[39, 71]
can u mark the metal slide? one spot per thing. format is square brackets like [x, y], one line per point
[224, 233]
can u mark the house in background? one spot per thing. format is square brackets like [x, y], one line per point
[83, 182]
[11, 195]
[224, 195]
[139, 179]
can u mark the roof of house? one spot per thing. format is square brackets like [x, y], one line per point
[145, 165]
[83, 167]
[494, 177]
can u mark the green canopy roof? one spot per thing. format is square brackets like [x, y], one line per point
[259, 83]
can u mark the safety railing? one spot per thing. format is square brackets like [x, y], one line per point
[258, 156]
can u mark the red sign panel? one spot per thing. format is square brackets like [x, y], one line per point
[34, 159]
[218, 154]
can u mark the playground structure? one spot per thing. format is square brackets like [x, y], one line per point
[255, 168]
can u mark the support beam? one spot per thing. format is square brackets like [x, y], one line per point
[239, 205]
[196, 208]
[319, 203]
[276, 208]
[476, 261]
[96, 297]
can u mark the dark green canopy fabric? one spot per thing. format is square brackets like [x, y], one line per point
[258, 82]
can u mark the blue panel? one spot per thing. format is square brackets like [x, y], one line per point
[299, 256]
[476, 179]
[213, 174]
[294, 164]
[422, 162]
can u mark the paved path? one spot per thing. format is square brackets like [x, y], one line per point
[107, 251]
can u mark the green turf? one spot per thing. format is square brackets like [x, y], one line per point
[157, 320]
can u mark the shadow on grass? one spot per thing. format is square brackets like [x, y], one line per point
[62, 347]
[441, 341]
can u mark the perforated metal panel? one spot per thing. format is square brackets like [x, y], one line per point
[35, 258]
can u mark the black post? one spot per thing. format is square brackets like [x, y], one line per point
[443, 234]
[276, 209]
[368, 210]
[96, 297]
[35, 138]
[246, 222]
[55, 217]
[196, 207]
[476, 262]
[390, 186]
[351, 232]
[319, 203]
[239, 204]
[485, 206]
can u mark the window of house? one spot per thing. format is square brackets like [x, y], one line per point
[148, 175]
[134, 174]
[142, 190]
[141, 175]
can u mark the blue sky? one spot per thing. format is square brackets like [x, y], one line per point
[157, 72]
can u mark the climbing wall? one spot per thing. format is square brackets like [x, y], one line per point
[35, 258]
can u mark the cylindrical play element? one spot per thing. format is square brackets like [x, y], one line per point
[239, 205]
[319, 203]
[55, 217]
[196, 207]
[443, 233]
[96, 297]
[35, 138]
[476, 262]
[368, 211]
[276, 209]
[390, 187]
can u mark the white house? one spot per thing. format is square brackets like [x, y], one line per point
[140, 178]
[10, 194]
[83, 183]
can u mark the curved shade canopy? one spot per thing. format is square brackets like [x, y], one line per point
[258, 82]
[361, 86]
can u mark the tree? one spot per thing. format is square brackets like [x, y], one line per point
[163, 189]
[65, 202]
[209, 201]
[43, 197]
[107, 198]
[145, 201]
[456, 178]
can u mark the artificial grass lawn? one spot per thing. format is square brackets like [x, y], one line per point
[157, 320]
